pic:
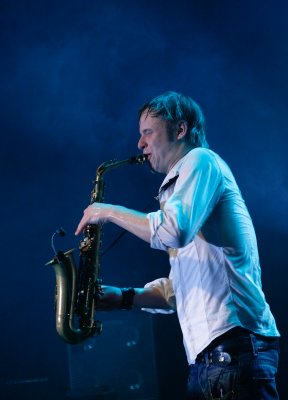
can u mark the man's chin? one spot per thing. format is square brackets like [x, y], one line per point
[155, 170]
[151, 167]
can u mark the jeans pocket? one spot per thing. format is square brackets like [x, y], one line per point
[222, 383]
[257, 376]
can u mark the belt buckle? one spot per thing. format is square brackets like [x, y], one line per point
[220, 358]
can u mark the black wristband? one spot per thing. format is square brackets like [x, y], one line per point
[127, 298]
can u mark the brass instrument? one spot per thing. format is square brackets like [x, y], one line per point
[77, 289]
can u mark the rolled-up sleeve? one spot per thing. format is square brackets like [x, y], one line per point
[165, 286]
[196, 192]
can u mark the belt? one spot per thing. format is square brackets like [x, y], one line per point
[226, 349]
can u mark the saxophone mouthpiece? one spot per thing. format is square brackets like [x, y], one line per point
[139, 159]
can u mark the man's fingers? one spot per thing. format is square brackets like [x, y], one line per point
[78, 230]
[80, 227]
[91, 216]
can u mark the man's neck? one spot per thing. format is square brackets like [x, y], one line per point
[178, 157]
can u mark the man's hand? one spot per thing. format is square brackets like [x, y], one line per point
[110, 299]
[96, 213]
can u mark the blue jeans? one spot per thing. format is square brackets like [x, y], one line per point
[244, 369]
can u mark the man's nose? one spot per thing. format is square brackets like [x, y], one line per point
[141, 143]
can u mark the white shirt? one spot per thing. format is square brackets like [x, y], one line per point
[215, 278]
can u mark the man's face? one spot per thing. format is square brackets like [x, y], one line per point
[158, 141]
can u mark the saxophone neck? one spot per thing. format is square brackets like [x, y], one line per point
[97, 194]
[111, 164]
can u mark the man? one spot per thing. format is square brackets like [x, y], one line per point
[229, 333]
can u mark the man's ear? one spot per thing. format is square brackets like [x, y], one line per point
[181, 129]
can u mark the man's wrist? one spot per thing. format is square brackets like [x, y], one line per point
[127, 298]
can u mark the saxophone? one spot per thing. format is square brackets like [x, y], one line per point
[77, 289]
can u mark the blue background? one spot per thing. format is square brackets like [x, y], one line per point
[73, 75]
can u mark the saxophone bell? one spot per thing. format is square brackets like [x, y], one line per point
[65, 298]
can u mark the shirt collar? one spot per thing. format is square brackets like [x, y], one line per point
[173, 174]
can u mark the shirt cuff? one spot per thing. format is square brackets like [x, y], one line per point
[155, 221]
[165, 286]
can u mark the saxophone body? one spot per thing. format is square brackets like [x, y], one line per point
[78, 288]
